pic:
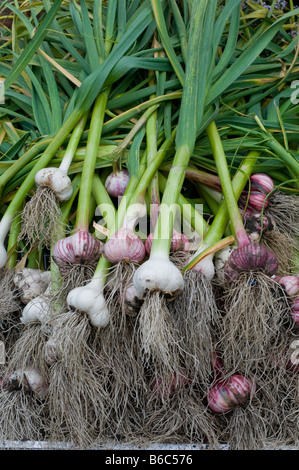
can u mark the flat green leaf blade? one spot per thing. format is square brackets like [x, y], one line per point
[30, 50]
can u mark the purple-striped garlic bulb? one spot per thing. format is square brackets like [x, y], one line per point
[256, 224]
[291, 286]
[79, 248]
[295, 311]
[124, 245]
[250, 257]
[179, 242]
[116, 183]
[260, 186]
[230, 393]
[289, 283]
[167, 390]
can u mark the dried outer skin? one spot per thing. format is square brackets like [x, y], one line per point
[251, 257]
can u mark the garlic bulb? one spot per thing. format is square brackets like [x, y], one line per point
[226, 395]
[81, 248]
[31, 283]
[295, 311]
[289, 283]
[167, 390]
[251, 257]
[124, 245]
[260, 186]
[116, 183]
[132, 299]
[31, 380]
[37, 310]
[179, 242]
[158, 273]
[206, 265]
[89, 299]
[57, 180]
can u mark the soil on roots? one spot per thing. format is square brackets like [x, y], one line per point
[40, 219]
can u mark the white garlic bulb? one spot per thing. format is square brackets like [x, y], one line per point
[89, 299]
[57, 180]
[31, 283]
[158, 273]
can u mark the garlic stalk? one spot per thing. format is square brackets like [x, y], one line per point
[264, 259]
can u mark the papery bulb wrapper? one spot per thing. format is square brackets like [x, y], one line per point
[31, 283]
